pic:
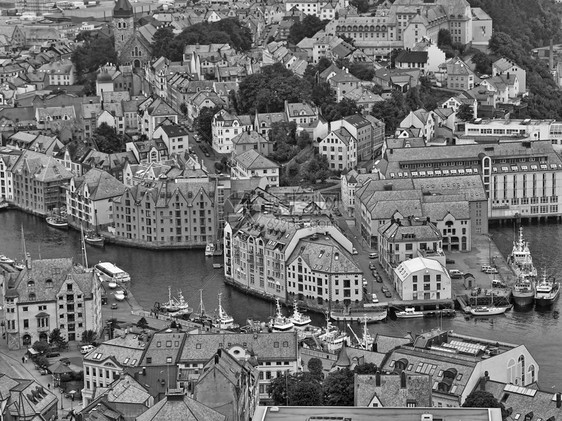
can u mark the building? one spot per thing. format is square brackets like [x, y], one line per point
[24, 399]
[229, 386]
[301, 113]
[422, 278]
[8, 157]
[411, 60]
[401, 240]
[340, 149]
[457, 364]
[458, 75]
[253, 164]
[481, 28]
[225, 127]
[167, 213]
[506, 67]
[39, 182]
[392, 390]
[62, 72]
[178, 406]
[257, 249]
[422, 120]
[153, 112]
[252, 140]
[367, 130]
[276, 354]
[89, 199]
[174, 136]
[321, 270]
[51, 294]
[132, 47]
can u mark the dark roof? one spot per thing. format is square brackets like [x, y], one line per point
[123, 9]
[412, 57]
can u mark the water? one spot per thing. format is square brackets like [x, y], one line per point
[153, 271]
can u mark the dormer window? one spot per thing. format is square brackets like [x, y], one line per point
[31, 284]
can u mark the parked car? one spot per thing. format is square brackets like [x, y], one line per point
[53, 354]
[484, 268]
[388, 294]
[354, 251]
[374, 298]
[449, 261]
[455, 274]
[492, 271]
[372, 266]
[114, 306]
[384, 289]
[373, 255]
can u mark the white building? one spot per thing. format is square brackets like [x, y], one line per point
[421, 278]
[253, 164]
[153, 113]
[506, 67]
[420, 119]
[225, 127]
[340, 149]
[8, 157]
[174, 136]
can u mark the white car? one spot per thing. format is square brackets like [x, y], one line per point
[374, 298]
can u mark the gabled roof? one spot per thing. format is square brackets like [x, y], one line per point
[253, 160]
[159, 107]
[412, 57]
[101, 185]
[180, 407]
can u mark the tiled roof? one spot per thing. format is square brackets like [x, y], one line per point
[159, 107]
[127, 390]
[101, 185]
[417, 264]
[412, 57]
[180, 408]
[43, 168]
[389, 390]
[297, 109]
[125, 351]
[249, 138]
[174, 130]
[162, 347]
[386, 343]
[402, 231]
[253, 160]
[265, 346]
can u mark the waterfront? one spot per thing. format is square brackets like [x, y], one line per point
[153, 271]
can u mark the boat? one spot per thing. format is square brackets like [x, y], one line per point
[298, 319]
[279, 322]
[57, 222]
[523, 291]
[5, 259]
[409, 313]
[223, 320]
[4, 205]
[488, 311]
[119, 295]
[520, 259]
[332, 339]
[110, 271]
[366, 342]
[94, 239]
[210, 250]
[547, 291]
[171, 306]
[217, 265]
[371, 315]
[183, 307]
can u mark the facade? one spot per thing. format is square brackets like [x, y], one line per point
[89, 199]
[131, 47]
[368, 130]
[49, 294]
[225, 127]
[39, 182]
[459, 76]
[154, 112]
[174, 136]
[505, 67]
[59, 73]
[167, 213]
[422, 278]
[422, 120]
[322, 270]
[340, 149]
[251, 140]
[252, 164]
[8, 157]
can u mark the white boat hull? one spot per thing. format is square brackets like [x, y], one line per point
[416, 315]
[488, 311]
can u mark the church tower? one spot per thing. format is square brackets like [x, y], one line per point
[123, 24]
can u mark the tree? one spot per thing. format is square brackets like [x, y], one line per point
[392, 111]
[309, 26]
[315, 368]
[204, 121]
[298, 389]
[283, 137]
[361, 5]
[42, 361]
[303, 139]
[89, 336]
[142, 323]
[164, 44]
[367, 368]
[40, 346]
[483, 63]
[444, 38]
[107, 139]
[87, 59]
[483, 399]
[465, 112]
[183, 108]
[337, 110]
[338, 388]
[55, 338]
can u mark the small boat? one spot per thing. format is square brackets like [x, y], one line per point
[171, 306]
[298, 319]
[120, 295]
[520, 259]
[488, 311]
[4, 205]
[547, 291]
[371, 315]
[409, 313]
[279, 322]
[210, 250]
[5, 259]
[94, 239]
[217, 265]
[57, 222]
[224, 321]
[332, 339]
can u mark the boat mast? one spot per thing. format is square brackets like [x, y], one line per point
[83, 244]
[23, 245]
[201, 306]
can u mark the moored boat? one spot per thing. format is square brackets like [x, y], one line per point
[110, 271]
[332, 339]
[524, 291]
[57, 222]
[298, 319]
[94, 239]
[409, 313]
[520, 259]
[547, 291]
[372, 315]
[210, 250]
[488, 311]
[5, 259]
[279, 322]
[224, 321]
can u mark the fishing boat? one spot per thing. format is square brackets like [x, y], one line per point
[57, 222]
[409, 313]
[332, 339]
[298, 319]
[520, 259]
[183, 307]
[366, 342]
[94, 239]
[172, 305]
[372, 315]
[223, 321]
[210, 250]
[547, 291]
[201, 315]
[119, 295]
[279, 322]
[524, 291]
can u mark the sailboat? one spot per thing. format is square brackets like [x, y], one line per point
[21, 266]
[490, 310]
[224, 321]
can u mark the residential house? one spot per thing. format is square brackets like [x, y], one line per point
[253, 164]
[367, 130]
[24, 399]
[153, 113]
[89, 199]
[340, 149]
[458, 75]
[343, 82]
[506, 67]
[61, 72]
[225, 127]
[264, 121]
[113, 163]
[393, 390]
[174, 136]
[176, 405]
[203, 99]
[422, 278]
[8, 157]
[407, 59]
[505, 88]
[153, 150]
[420, 119]
[481, 28]
[251, 140]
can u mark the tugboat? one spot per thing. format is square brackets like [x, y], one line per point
[547, 291]
[298, 319]
[279, 322]
[521, 263]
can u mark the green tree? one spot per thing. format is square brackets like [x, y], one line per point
[338, 388]
[367, 368]
[183, 108]
[483, 399]
[55, 338]
[142, 323]
[204, 121]
[361, 5]
[309, 26]
[392, 111]
[40, 346]
[107, 139]
[482, 62]
[465, 112]
[165, 44]
[88, 57]
[283, 137]
[444, 38]
[315, 368]
[89, 336]
[42, 361]
[298, 389]
[332, 111]
[303, 139]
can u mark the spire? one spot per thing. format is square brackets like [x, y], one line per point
[123, 9]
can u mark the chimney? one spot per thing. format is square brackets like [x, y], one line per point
[378, 378]
[402, 380]
[558, 400]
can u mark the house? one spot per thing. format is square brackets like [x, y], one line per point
[264, 121]
[51, 294]
[458, 75]
[420, 119]
[407, 59]
[301, 113]
[225, 127]
[422, 278]
[26, 399]
[8, 157]
[176, 405]
[506, 67]
[251, 140]
[89, 199]
[203, 99]
[366, 129]
[113, 163]
[340, 149]
[343, 82]
[62, 72]
[153, 113]
[174, 136]
[253, 164]
[505, 88]
[481, 28]
[229, 386]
